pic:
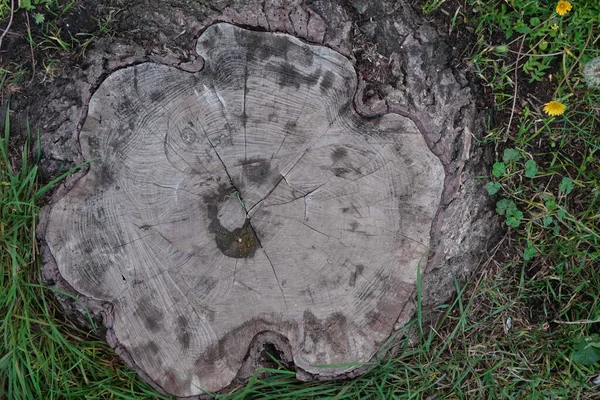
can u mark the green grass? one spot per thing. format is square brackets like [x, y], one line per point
[525, 326]
[40, 28]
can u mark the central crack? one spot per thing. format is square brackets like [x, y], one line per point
[240, 242]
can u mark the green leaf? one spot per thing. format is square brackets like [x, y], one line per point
[523, 29]
[513, 217]
[531, 169]
[510, 155]
[534, 21]
[551, 205]
[561, 213]
[498, 169]
[547, 221]
[26, 4]
[585, 351]
[529, 252]
[566, 185]
[503, 205]
[501, 50]
[493, 187]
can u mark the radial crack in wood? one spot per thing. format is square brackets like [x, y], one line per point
[249, 197]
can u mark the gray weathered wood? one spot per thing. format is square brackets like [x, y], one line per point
[244, 198]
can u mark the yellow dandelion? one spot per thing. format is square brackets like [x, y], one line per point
[563, 7]
[554, 108]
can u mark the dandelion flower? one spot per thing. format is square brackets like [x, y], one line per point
[554, 108]
[563, 7]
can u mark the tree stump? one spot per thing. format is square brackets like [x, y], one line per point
[246, 203]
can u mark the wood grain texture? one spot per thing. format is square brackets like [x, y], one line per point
[249, 197]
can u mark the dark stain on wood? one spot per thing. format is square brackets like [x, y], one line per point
[238, 243]
[173, 384]
[257, 170]
[373, 318]
[182, 322]
[93, 144]
[151, 315]
[308, 58]
[152, 347]
[184, 340]
[208, 283]
[280, 44]
[105, 175]
[290, 126]
[157, 96]
[331, 331]
[125, 106]
[338, 154]
[327, 81]
[119, 138]
[340, 172]
[288, 76]
[312, 79]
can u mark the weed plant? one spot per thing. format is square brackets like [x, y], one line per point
[532, 56]
[547, 174]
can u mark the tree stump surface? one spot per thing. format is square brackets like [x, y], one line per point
[246, 202]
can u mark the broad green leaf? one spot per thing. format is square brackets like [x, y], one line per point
[25, 4]
[501, 50]
[551, 205]
[529, 252]
[510, 155]
[493, 187]
[498, 169]
[566, 185]
[531, 169]
[503, 205]
[513, 217]
[584, 353]
[523, 29]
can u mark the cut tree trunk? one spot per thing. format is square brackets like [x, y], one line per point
[247, 202]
